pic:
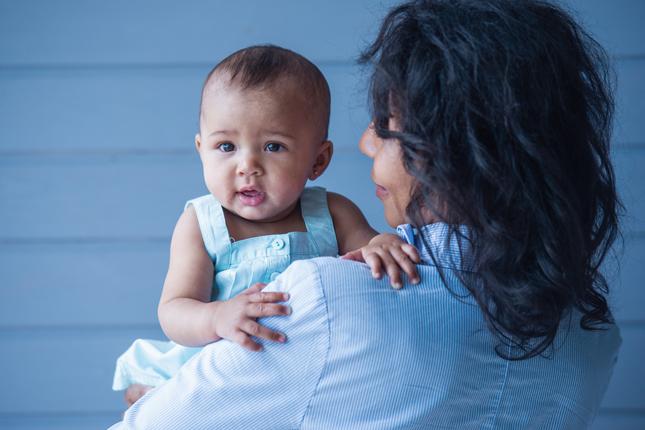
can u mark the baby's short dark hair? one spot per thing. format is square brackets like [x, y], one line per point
[260, 66]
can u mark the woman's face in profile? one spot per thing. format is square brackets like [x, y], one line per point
[393, 183]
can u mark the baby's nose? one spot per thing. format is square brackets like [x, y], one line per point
[249, 165]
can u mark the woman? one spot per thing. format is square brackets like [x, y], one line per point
[502, 113]
[490, 145]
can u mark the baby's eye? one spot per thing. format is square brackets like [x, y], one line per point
[226, 147]
[273, 147]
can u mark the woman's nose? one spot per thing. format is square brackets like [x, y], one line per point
[369, 141]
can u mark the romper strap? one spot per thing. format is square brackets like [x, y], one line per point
[315, 212]
[212, 224]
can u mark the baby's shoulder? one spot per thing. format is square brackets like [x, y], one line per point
[207, 200]
[339, 204]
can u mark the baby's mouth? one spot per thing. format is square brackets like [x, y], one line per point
[251, 196]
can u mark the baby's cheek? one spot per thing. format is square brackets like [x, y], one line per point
[291, 183]
[219, 186]
[291, 193]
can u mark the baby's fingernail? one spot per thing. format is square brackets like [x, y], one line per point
[285, 296]
[397, 285]
[282, 339]
[377, 275]
[415, 280]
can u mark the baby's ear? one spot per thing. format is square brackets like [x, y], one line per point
[198, 141]
[322, 159]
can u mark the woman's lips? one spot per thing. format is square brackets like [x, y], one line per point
[381, 192]
[251, 197]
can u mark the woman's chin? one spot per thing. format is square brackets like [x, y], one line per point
[394, 219]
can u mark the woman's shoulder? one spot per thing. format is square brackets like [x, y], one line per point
[448, 344]
[440, 289]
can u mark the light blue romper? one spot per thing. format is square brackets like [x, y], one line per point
[238, 265]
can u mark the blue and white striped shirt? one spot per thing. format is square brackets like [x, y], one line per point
[361, 355]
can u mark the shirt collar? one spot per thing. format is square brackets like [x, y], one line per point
[449, 245]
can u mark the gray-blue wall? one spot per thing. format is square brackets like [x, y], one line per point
[98, 103]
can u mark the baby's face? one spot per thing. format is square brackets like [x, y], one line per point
[258, 148]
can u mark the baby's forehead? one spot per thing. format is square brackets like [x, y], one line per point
[283, 91]
[281, 88]
[280, 103]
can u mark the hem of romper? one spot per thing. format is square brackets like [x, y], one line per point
[124, 377]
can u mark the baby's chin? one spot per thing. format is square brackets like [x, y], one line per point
[259, 214]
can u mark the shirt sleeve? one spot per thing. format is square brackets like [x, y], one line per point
[226, 386]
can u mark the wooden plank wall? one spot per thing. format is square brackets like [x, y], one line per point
[98, 105]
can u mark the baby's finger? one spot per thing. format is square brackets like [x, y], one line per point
[412, 252]
[355, 255]
[268, 297]
[245, 341]
[404, 262]
[392, 269]
[256, 330]
[263, 309]
[254, 288]
[374, 261]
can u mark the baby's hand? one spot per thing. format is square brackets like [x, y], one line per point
[389, 252]
[236, 319]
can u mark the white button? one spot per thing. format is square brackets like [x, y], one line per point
[277, 244]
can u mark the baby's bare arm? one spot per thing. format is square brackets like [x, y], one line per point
[184, 308]
[358, 241]
[352, 229]
[187, 315]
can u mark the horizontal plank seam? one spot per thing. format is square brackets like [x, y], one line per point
[109, 153]
[86, 240]
[5, 329]
[58, 414]
[140, 152]
[109, 412]
[22, 241]
[629, 57]
[97, 240]
[198, 64]
[81, 327]
[622, 411]
[6, 156]
[81, 152]
[83, 240]
[143, 65]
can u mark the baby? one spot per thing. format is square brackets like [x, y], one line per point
[262, 136]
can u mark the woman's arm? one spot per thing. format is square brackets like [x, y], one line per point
[186, 314]
[228, 387]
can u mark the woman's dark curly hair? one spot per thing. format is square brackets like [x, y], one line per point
[505, 110]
